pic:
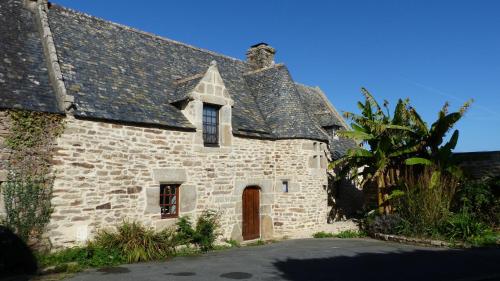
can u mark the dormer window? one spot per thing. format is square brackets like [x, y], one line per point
[210, 125]
[334, 130]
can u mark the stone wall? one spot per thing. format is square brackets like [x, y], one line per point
[480, 164]
[107, 173]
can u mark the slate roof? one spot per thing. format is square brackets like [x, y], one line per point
[184, 87]
[118, 73]
[281, 104]
[327, 117]
[24, 79]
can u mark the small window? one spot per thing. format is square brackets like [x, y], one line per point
[210, 125]
[169, 200]
[284, 186]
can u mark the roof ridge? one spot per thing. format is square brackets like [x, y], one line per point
[264, 69]
[150, 34]
[304, 85]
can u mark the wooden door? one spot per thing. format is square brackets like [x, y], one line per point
[251, 219]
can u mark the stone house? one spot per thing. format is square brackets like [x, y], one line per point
[156, 129]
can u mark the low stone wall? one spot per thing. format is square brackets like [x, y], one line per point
[414, 241]
[480, 164]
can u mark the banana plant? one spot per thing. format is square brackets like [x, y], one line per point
[385, 141]
[433, 153]
[389, 143]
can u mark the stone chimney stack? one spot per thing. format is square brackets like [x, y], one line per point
[260, 56]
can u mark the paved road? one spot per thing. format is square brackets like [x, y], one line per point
[317, 260]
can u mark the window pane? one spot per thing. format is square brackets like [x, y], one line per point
[210, 124]
[168, 200]
[285, 186]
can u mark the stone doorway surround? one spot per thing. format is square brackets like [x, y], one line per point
[266, 202]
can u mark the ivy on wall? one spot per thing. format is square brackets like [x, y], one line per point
[27, 193]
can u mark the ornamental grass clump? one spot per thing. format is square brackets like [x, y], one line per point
[138, 243]
[424, 201]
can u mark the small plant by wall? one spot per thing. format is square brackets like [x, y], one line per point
[203, 235]
[28, 190]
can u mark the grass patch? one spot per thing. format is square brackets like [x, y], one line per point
[233, 243]
[187, 252]
[342, 234]
[350, 234]
[78, 258]
[259, 242]
[323, 234]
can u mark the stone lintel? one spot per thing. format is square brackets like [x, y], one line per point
[266, 186]
[169, 175]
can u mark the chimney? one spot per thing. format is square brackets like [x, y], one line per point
[260, 56]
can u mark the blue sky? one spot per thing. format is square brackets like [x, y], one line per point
[429, 51]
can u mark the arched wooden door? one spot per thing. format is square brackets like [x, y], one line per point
[251, 216]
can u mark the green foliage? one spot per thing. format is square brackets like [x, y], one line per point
[28, 191]
[233, 243]
[429, 206]
[185, 231]
[206, 230]
[463, 226]
[78, 258]
[259, 242]
[342, 234]
[133, 242]
[27, 206]
[392, 142]
[137, 243]
[205, 233]
[425, 202]
[477, 197]
[350, 234]
[323, 234]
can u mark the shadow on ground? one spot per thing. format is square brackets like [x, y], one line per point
[16, 258]
[471, 264]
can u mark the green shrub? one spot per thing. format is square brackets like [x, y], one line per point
[185, 231]
[203, 235]
[341, 234]
[137, 243]
[323, 234]
[206, 230]
[488, 238]
[77, 258]
[350, 234]
[477, 197]
[463, 226]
